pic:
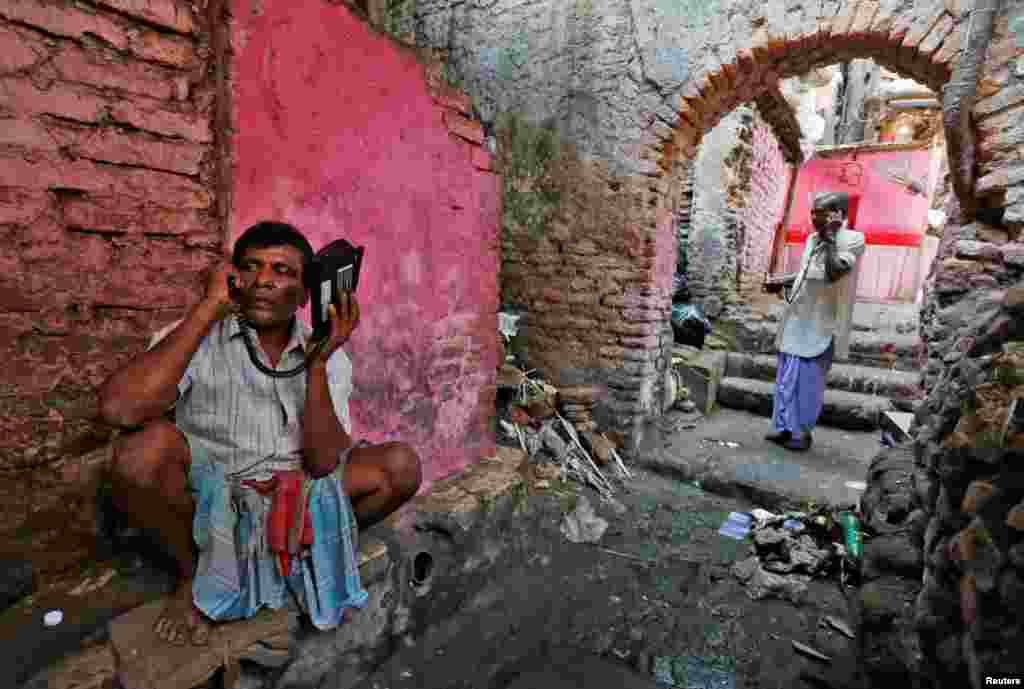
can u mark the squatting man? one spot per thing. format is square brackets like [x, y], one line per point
[815, 326]
[247, 453]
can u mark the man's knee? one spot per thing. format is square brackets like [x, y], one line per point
[141, 458]
[403, 467]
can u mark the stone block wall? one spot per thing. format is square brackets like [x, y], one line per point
[108, 178]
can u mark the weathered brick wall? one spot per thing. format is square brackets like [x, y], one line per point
[107, 213]
[741, 177]
[678, 68]
[714, 222]
[769, 178]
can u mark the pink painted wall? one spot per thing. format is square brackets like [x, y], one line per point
[338, 131]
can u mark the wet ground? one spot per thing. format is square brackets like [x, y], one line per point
[728, 452]
[655, 598]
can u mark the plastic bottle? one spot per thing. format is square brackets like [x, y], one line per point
[852, 535]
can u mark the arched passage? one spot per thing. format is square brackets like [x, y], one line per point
[923, 46]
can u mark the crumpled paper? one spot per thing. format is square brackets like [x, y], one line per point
[582, 525]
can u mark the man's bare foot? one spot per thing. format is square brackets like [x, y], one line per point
[180, 622]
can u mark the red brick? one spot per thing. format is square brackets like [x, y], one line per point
[116, 214]
[63, 100]
[17, 52]
[107, 145]
[186, 125]
[25, 133]
[47, 171]
[482, 160]
[175, 51]
[64, 20]
[172, 14]
[107, 70]
[464, 127]
[22, 206]
[453, 99]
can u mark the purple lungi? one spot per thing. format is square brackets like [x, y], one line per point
[800, 391]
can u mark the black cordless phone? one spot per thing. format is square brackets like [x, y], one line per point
[336, 267]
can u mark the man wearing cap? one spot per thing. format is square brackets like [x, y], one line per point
[815, 327]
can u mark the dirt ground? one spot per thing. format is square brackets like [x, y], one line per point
[656, 597]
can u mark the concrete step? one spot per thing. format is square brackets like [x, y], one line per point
[866, 380]
[847, 410]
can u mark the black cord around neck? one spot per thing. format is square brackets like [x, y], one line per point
[250, 345]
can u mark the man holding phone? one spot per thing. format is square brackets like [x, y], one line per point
[815, 327]
[247, 453]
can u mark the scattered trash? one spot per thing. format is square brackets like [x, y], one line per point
[53, 618]
[762, 517]
[808, 651]
[582, 525]
[887, 439]
[89, 585]
[857, 485]
[721, 443]
[791, 549]
[840, 626]
[736, 526]
[852, 534]
[626, 555]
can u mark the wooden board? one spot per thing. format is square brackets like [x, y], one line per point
[144, 661]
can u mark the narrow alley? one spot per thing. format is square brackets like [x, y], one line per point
[518, 344]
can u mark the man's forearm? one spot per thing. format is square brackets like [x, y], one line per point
[324, 438]
[148, 386]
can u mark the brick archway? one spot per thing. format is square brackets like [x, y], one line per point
[921, 46]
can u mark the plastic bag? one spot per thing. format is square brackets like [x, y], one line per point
[680, 289]
[689, 325]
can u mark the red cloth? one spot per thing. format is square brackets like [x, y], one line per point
[286, 490]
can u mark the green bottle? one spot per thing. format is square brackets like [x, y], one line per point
[852, 535]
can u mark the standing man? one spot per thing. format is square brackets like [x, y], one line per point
[257, 485]
[815, 326]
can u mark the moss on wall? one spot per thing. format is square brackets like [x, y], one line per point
[528, 157]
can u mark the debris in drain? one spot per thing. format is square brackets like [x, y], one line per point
[789, 550]
[736, 526]
[839, 626]
[808, 651]
[558, 425]
[582, 525]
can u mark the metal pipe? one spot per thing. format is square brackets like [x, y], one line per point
[958, 99]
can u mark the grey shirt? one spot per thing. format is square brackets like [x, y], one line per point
[242, 417]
